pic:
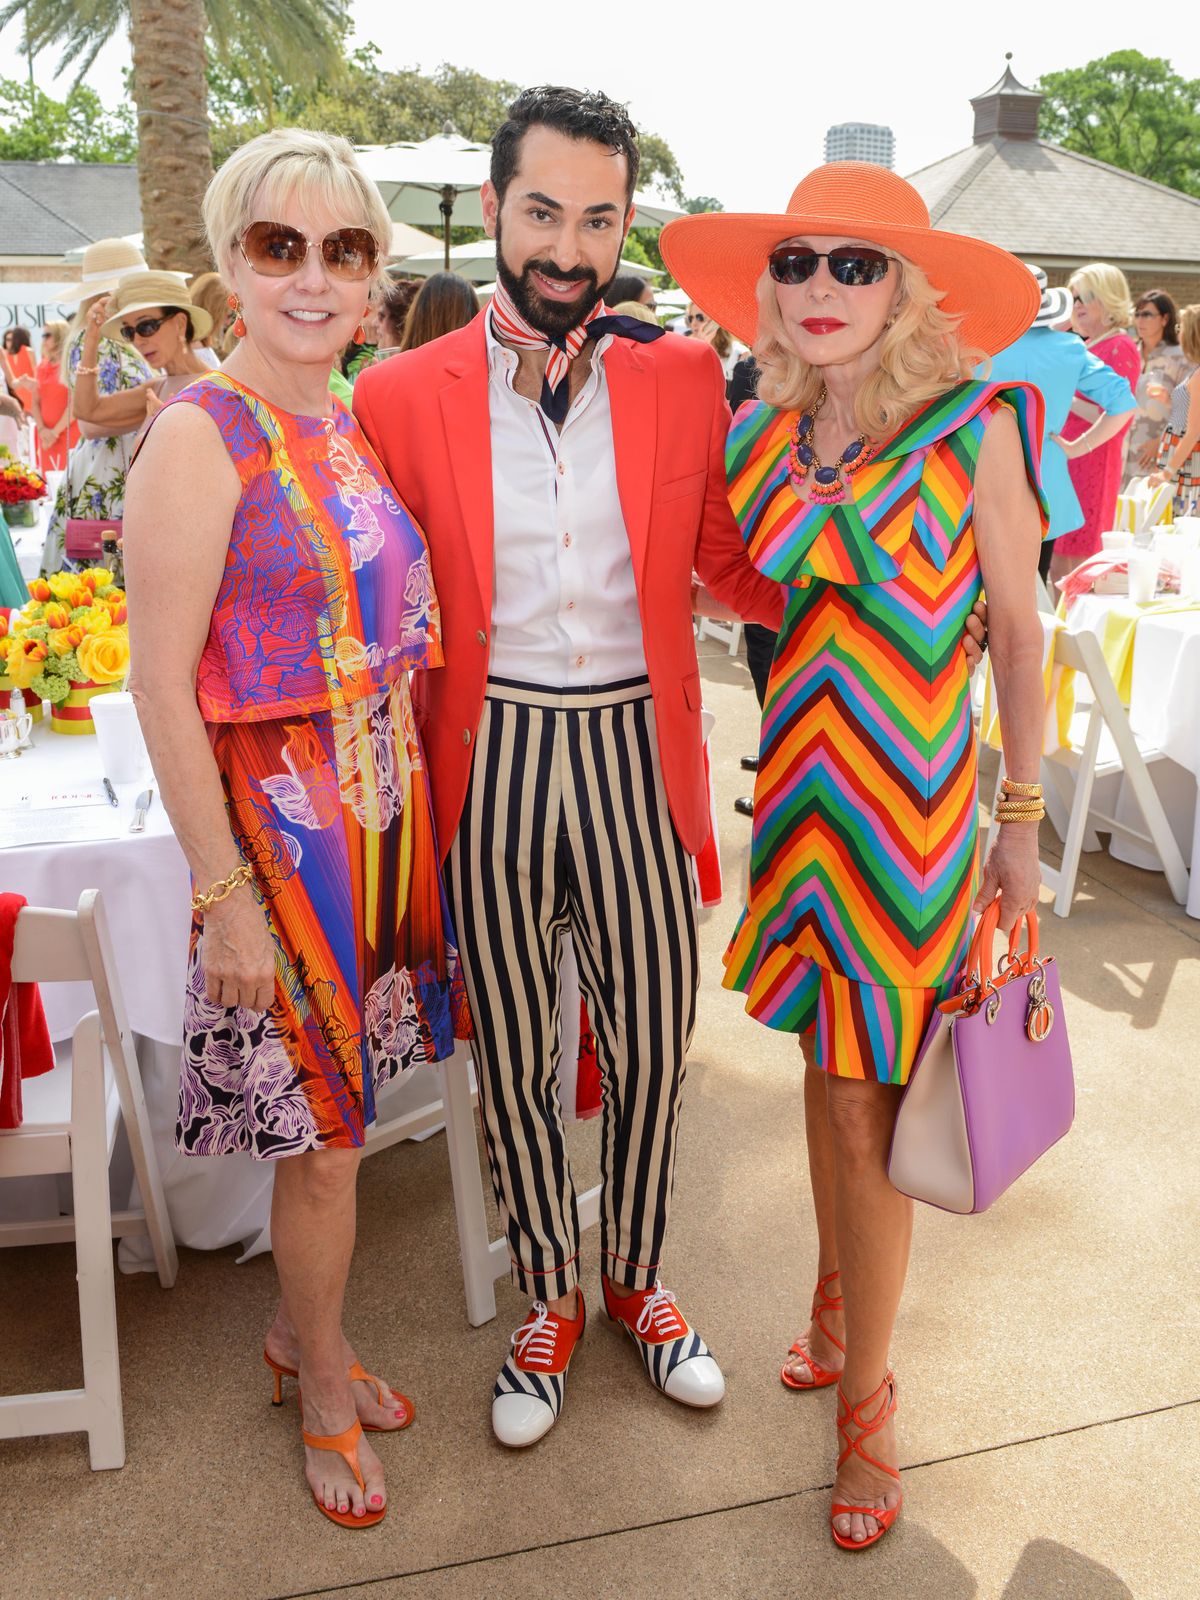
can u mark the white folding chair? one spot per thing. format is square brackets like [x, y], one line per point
[1101, 743]
[730, 633]
[484, 1260]
[71, 1116]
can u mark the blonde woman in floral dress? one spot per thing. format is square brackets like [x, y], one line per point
[273, 692]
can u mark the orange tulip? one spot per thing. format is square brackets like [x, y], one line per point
[56, 615]
[39, 589]
[120, 611]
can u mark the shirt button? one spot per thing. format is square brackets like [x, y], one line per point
[581, 661]
[481, 636]
[561, 469]
[567, 540]
[570, 605]
[466, 735]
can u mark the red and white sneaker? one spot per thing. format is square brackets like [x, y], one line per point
[529, 1391]
[676, 1358]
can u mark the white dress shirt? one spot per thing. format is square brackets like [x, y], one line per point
[564, 601]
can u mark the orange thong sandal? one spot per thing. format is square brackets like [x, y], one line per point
[821, 1378]
[357, 1374]
[852, 1416]
[346, 1445]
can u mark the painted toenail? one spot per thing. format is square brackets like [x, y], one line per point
[376, 1499]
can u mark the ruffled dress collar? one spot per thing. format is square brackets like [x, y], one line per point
[898, 497]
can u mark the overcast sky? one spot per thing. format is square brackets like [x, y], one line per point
[746, 115]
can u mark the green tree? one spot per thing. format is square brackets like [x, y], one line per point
[35, 127]
[1133, 111]
[297, 39]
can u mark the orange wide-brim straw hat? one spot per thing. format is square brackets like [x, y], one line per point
[719, 257]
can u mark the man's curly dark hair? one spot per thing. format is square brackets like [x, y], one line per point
[578, 113]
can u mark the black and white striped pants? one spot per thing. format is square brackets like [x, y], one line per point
[566, 826]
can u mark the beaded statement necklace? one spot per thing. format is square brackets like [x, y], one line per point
[827, 486]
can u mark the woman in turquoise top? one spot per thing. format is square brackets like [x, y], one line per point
[1061, 365]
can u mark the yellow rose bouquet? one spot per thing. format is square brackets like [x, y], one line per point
[69, 642]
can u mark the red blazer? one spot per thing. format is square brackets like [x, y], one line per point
[425, 412]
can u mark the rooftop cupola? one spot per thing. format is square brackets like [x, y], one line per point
[1008, 110]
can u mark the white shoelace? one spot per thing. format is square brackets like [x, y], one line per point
[534, 1341]
[658, 1315]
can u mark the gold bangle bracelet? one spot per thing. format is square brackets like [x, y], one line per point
[1032, 790]
[1020, 816]
[222, 889]
[86, 372]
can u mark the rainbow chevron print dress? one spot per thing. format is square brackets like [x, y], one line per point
[863, 859]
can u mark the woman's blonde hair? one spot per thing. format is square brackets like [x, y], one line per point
[211, 292]
[58, 332]
[1189, 332]
[920, 357]
[1107, 284]
[267, 172]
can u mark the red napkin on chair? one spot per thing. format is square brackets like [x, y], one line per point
[25, 1048]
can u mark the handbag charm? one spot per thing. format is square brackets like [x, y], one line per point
[1039, 1017]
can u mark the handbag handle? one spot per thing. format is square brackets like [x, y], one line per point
[978, 976]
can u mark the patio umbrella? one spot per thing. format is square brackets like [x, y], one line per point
[439, 179]
[409, 241]
[477, 262]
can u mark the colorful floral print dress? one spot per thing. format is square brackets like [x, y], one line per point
[325, 606]
[95, 482]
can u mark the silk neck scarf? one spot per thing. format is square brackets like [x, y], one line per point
[509, 326]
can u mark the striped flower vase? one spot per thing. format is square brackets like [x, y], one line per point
[73, 715]
[32, 704]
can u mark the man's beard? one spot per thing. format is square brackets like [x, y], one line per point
[551, 317]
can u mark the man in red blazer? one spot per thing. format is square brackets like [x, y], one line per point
[570, 480]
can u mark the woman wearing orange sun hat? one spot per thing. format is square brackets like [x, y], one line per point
[883, 486]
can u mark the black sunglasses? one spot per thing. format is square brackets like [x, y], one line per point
[851, 265]
[145, 329]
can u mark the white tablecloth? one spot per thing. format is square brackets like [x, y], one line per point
[1164, 712]
[213, 1201]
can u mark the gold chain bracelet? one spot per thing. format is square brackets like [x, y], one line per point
[1032, 813]
[223, 889]
[1031, 791]
[86, 372]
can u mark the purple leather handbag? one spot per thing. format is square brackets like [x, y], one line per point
[992, 1088]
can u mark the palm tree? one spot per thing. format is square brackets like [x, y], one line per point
[298, 39]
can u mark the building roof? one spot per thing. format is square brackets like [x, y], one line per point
[1049, 204]
[50, 207]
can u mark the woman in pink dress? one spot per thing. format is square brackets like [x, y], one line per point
[1102, 314]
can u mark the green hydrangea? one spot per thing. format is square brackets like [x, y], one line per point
[40, 631]
[80, 611]
[49, 686]
[69, 666]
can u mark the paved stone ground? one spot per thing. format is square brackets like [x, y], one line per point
[1047, 1354]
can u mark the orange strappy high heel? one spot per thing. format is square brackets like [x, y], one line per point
[357, 1374]
[821, 1378]
[346, 1445]
[851, 1416]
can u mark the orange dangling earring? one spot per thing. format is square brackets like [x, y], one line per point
[239, 326]
[360, 334]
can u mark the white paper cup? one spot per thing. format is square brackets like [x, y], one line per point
[122, 750]
[1143, 575]
[1118, 539]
